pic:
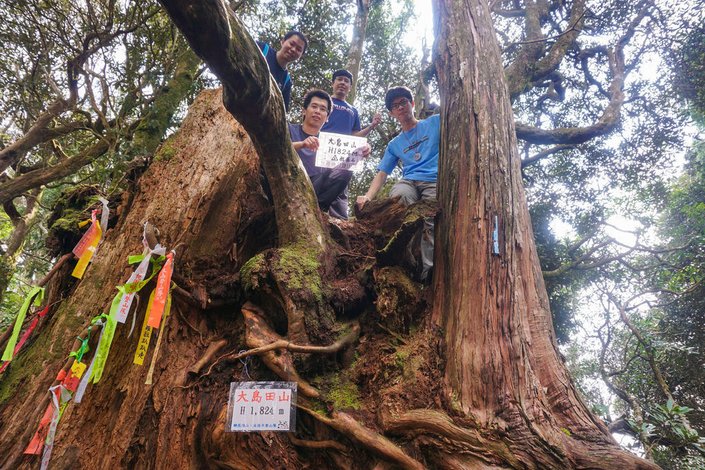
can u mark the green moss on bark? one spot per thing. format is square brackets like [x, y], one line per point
[298, 267]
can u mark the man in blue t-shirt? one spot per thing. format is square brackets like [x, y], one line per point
[416, 147]
[327, 183]
[345, 119]
[293, 46]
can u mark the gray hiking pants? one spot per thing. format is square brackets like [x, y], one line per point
[409, 192]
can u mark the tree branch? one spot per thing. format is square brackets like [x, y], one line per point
[252, 97]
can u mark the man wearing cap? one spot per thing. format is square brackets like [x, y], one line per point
[416, 147]
[327, 183]
[293, 46]
[345, 119]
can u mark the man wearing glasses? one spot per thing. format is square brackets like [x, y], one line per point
[416, 147]
[327, 183]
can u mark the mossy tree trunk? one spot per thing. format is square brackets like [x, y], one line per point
[203, 206]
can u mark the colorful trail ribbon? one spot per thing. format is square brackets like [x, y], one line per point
[106, 337]
[161, 292]
[26, 335]
[145, 336]
[37, 443]
[60, 397]
[134, 283]
[87, 245]
[150, 374]
[104, 215]
[35, 296]
[100, 320]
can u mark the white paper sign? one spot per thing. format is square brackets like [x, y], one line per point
[262, 406]
[339, 151]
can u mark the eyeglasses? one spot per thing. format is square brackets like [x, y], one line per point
[401, 104]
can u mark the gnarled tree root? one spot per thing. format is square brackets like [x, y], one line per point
[416, 422]
[371, 440]
[275, 351]
[327, 444]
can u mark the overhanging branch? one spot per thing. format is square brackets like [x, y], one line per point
[252, 97]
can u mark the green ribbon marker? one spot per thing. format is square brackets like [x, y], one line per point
[106, 339]
[36, 296]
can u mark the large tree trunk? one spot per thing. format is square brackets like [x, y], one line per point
[202, 193]
[357, 44]
[503, 370]
[486, 390]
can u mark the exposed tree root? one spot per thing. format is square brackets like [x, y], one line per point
[371, 440]
[296, 324]
[269, 345]
[416, 422]
[327, 444]
[344, 341]
[394, 251]
[213, 348]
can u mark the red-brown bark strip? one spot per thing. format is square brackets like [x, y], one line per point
[371, 440]
[503, 370]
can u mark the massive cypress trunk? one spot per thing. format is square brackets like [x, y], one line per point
[503, 370]
[463, 375]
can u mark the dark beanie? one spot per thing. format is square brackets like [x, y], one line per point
[342, 73]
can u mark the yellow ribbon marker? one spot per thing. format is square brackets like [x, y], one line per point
[85, 249]
[145, 336]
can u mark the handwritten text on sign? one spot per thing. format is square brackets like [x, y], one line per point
[262, 406]
[339, 151]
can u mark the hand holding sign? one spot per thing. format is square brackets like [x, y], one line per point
[310, 143]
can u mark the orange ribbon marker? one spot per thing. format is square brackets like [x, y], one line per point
[161, 292]
[85, 249]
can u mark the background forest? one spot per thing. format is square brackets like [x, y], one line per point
[609, 100]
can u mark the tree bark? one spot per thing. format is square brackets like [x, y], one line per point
[203, 204]
[357, 44]
[503, 371]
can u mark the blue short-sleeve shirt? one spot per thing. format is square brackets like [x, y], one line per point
[423, 142]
